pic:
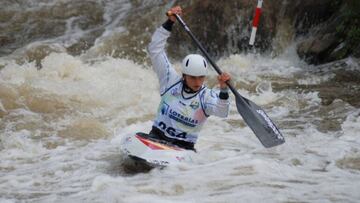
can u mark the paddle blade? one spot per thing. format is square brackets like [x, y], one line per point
[256, 118]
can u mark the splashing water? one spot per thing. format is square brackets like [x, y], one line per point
[61, 126]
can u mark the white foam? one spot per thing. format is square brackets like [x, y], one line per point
[351, 127]
[251, 65]
[315, 79]
[231, 164]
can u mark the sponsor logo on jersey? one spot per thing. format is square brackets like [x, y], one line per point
[194, 105]
[182, 119]
[175, 91]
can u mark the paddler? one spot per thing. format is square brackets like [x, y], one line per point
[186, 102]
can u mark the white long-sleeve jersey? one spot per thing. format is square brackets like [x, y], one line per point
[180, 115]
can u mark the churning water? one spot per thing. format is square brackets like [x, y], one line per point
[61, 125]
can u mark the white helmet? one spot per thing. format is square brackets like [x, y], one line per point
[194, 65]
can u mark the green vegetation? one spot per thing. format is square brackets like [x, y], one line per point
[349, 27]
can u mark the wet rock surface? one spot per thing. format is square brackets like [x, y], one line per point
[325, 30]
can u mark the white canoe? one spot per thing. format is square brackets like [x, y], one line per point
[156, 153]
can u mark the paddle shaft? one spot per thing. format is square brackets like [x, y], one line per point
[217, 69]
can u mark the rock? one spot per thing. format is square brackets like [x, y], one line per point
[339, 52]
[4, 40]
[357, 52]
[309, 14]
[315, 49]
[323, 43]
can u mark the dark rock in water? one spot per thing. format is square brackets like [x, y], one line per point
[357, 51]
[335, 38]
[307, 14]
[4, 40]
[315, 49]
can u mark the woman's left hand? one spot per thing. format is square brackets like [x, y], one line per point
[222, 79]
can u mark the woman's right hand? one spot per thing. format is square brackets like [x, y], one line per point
[174, 10]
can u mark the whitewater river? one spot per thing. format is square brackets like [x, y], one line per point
[61, 126]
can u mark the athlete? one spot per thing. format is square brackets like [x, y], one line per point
[186, 102]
